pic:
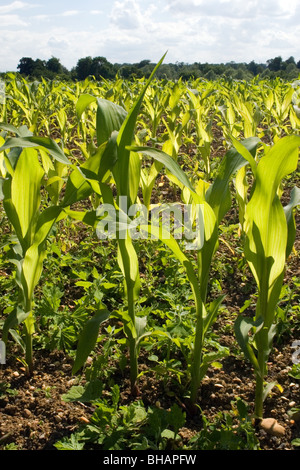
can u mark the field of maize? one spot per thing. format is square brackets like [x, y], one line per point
[139, 340]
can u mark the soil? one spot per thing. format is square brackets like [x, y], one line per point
[34, 416]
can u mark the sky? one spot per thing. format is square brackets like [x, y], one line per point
[128, 31]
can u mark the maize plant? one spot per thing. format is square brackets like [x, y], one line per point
[120, 164]
[209, 204]
[21, 192]
[269, 236]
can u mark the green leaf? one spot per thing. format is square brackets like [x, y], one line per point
[22, 131]
[83, 102]
[16, 316]
[267, 389]
[266, 225]
[70, 443]
[91, 391]
[87, 217]
[35, 254]
[35, 142]
[88, 338]
[129, 265]
[242, 327]
[110, 117]
[77, 188]
[22, 196]
[125, 138]
[167, 161]
[288, 210]
[218, 194]
[243, 149]
[129, 326]
[212, 312]
[165, 237]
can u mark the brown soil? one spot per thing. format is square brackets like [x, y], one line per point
[34, 416]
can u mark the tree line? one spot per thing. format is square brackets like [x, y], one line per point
[100, 67]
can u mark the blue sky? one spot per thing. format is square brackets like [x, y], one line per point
[214, 31]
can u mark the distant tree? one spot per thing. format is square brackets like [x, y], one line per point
[54, 65]
[275, 64]
[252, 67]
[83, 68]
[39, 69]
[26, 66]
[100, 67]
[143, 63]
[210, 75]
[291, 71]
[130, 71]
[290, 60]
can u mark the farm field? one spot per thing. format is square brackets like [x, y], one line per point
[138, 338]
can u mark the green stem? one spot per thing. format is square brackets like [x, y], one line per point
[259, 397]
[197, 358]
[29, 330]
[132, 344]
[259, 387]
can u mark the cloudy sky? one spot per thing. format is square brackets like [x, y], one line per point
[214, 31]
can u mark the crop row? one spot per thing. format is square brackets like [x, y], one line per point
[64, 144]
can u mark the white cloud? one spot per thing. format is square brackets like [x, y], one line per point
[232, 8]
[12, 6]
[126, 15]
[131, 30]
[11, 20]
[132, 14]
[70, 13]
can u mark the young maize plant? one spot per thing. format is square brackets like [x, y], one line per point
[116, 162]
[210, 205]
[269, 237]
[21, 193]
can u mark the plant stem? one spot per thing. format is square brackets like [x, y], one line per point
[132, 344]
[259, 388]
[29, 330]
[262, 352]
[197, 358]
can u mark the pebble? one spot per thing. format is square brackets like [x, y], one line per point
[16, 373]
[27, 412]
[271, 426]
[71, 382]
[237, 380]
[83, 419]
